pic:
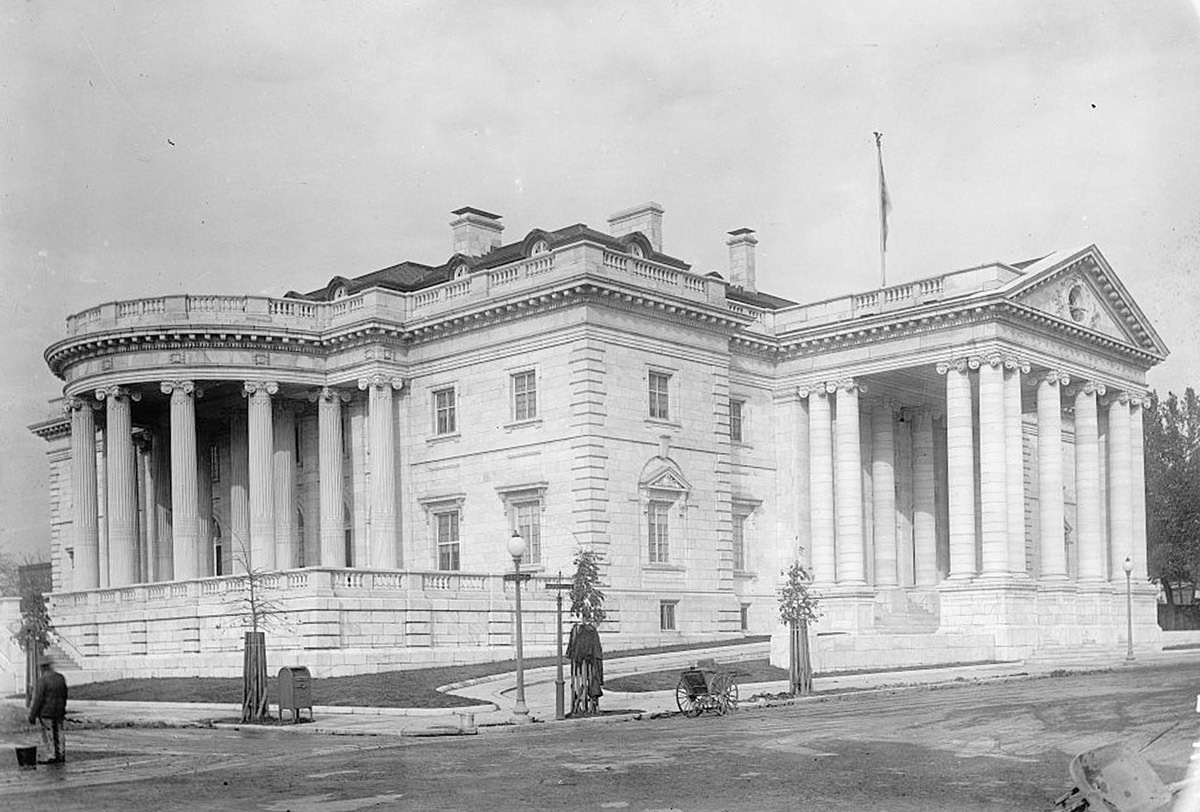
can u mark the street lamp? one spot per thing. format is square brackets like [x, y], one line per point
[516, 548]
[1128, 567]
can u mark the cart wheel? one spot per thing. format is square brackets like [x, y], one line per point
[687, 703]
[725, 692]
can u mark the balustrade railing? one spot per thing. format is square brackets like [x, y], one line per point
[305, 581]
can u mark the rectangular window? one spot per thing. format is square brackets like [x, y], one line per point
[214, 463]
[739, 542]
[658, 526]
[745, 617]
[444, 411]
[666, 616]
[299, 435]
[447, 540]
[529, 525]
[660, 401]
[735, 420]
[524, 389]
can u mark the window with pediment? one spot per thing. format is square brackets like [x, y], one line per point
[443, 515]
[524, 505]
[664, 497]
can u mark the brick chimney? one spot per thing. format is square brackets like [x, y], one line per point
[741, 244]
[476, 232]
[646, 218]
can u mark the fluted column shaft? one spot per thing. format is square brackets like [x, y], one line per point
[382, 438]
[1138, 467]
[147, 491]
[803, 489]
[1120, 486]
[122, 488]
[237, 547]
[262, 486]
[1087, 485]
[960, 455]
[924, 502]
[1014, 447]
[185, 502]
[1051, 521]
[849, 488]
[820, 477]
[204, 551]
[329, 470]
[284, 482]
[84, 508]
[993, 469]
[883, 487]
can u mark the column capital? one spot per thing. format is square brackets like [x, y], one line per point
[186, 387]
[380, 380]
[260, 387]
[329, 393]
[116, 392]
[1013, 363]
[1117, 397]
[143, 440]
[74, 404]
[957, 364]
[1056, 377]
[847, 385]
[994, 359]
[1139, 399]
[1089, 388]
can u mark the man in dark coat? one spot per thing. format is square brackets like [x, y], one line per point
[50, 708]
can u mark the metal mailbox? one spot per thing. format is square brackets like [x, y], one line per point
[295, 692]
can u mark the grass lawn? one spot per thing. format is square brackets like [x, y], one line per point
[415, 688]
[742, 673]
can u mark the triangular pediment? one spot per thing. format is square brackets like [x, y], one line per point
[1081, 290]
[666, 477]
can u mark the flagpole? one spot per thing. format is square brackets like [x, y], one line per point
[883, 206]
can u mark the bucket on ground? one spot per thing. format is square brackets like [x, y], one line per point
[27, 757]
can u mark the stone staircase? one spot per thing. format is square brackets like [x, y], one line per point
[63, 661]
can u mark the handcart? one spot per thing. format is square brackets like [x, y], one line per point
[705, 689]
[1114, 778]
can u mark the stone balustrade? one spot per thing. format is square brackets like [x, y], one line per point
[214, 312]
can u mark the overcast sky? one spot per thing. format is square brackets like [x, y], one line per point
[154, 148]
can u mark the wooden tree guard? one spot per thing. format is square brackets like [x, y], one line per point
[254, 678]
[800, 670]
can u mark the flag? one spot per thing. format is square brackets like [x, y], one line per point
[885, 200]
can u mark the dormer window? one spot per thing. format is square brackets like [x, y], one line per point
[339, 292]
[636, 251]
[539, 247]
[461, 271]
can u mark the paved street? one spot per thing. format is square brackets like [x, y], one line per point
[991, 746]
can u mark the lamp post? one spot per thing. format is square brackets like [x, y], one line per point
[516, 548]
[1128, 567]
[559, 704]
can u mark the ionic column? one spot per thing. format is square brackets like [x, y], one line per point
[849, 492]
[262, 486]
[204, 551]
[122, 486]
[993, 468]
[1014, 446]
[924, 504]
[1138, 467]
[143, 444]
[803, 494]
[1087, 484]
[960, 456]
[329, 470]
[1120, 486]
[85, 527]
[820, 478]
[160, 470]
[237, 551]
[284, 478]
[102, 499]
[883, 487]
[382, 438]
[1051, 521]
[185, 502]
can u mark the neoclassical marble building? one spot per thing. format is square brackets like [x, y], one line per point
[958, 459]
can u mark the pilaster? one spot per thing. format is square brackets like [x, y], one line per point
[122, 485]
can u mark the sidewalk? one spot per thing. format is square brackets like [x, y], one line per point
[496, 695]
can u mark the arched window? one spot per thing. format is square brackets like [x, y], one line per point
[636, 251]
[461, 271]
[539, 247]
[339, 292]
